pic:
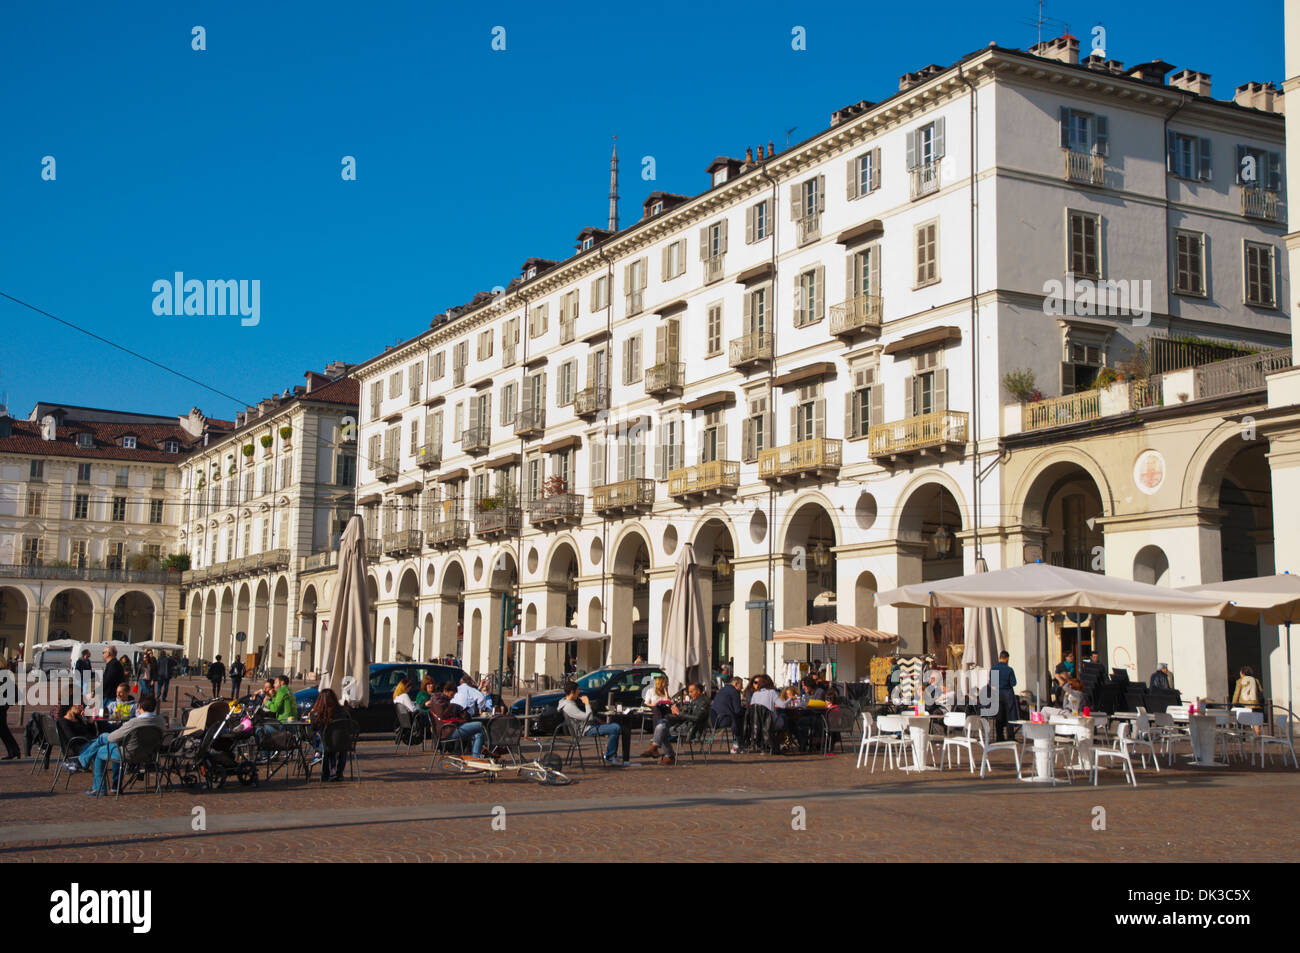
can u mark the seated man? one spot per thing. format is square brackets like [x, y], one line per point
[1163, 679]
[107, 746]
[579, 710]
[283, 705]
[449, 720]
[122, 706]
[727, 711]
[470, 698]
[661, 745]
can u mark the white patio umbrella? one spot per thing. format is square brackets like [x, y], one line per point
[686, 637]
[559, 633]
[1272, 600]
[160, 646]
[1039, 590]
[347, 654]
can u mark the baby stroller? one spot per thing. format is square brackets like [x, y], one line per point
[208, 752]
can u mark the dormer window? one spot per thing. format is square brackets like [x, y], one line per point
[128, 442]
[531, 273]
[656, 208]
[85, 439]
[587, 243]
[720, 176]
[172, 445]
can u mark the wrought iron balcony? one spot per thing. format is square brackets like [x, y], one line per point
[713, 268]
[750, 349]
[665, 379]
[590, 401]
[475, 439]
[448, 533]
[1238, 375]
[428, 456]
[703, 480]
[1260, 203]
[556, 510]
[810, 227]
[530, 422]
[374, 548]
[925, 178]
[857, 315]
[402, 542]
[922, 434]
[386, 470]
[457, 375]
[1085, 168]
[501, 521]
[817, 457]
[624, 496]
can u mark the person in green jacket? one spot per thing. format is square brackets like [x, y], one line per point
[283, 705]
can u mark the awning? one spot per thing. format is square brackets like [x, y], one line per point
[630, 424]
[595, 336]
[833, 633]
[505, 460]
[451, 476]
[754, 274]
[368, 498]
[435, 400]
[806, 373]
[536, 361]
[858, 232]
[564, 443]
[931, 337]
[671, 307]
[483, 382]
[719, 398]
[391, 416]
[406, 489]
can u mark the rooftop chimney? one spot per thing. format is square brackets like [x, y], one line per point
[1191, 81]
[770, 151]
[192, 423]
[1103, 65]
[1258, 96]
[1153, 72]
[1063, 49]
[908, 80]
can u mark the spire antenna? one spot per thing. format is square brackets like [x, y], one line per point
[613, 188]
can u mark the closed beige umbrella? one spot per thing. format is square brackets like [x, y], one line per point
[686, 637]
[984, 633]
[347, 654]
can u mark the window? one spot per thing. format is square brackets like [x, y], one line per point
[534, 399]
[567, 383]
[809, 297]
[927, 254]
[927, 389]
[376, 399]
[808, 415]
[34, 500]
[864, 403]
[264, 476]
[79, 553]
[862, 273]
[36, 470]
[485, 344]
[1084, 131]
[1258, 168]
[116, 555]
[756, 312]
[807, 202]
[119, 509]
[668, 342]
[160, 479]
[394, 384]
[345, 469]
[1084, 255]
[33, 550]
[83, 472]
[713, 246]
[286, 471]
[1261, 264]
[85, 439]
[415, 382]
[437, 365]
[155, 511]
[562, 467]
[459, 358]
[122, 476]
[415, 437]
[171, 445]
[539, 322]
[758, 222]
[568, 316]
[128, 442]
[1189, 262]
[670, 449]
[534, 472]
[81, 506]
[713, 438]
[509, 399]
[248, 485]
[634, 282]
[1187, 157]
[756, 433]
[674, 259]
[632, 359]
[713, 331]
[925, 149]
[600, 294]
[863, 174]
[1083, 361]
[631, 454]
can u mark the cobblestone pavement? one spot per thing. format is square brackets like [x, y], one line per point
[744, 807]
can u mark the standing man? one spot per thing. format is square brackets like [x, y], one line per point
[114, 674]
[164, 675]
[216, 675]
[83, 669]
[237, 673]
[1008, 707]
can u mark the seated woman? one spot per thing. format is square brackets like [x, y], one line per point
[1072, 696]
[325, 711]
[657, 693]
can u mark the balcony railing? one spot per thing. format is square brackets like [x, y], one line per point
[475, 439]
[84, 574]
[1059, 411]
[1147, 393]
[1260, 203]
[857, 315]
[271, 559]
[668, 377]
[1238, 375]
[320, 561]
[530, 422]
[386, 470]
[502, 521]
[704, 479]
[810, 227]
[553, 510]
[590, 401]
[936, 431]
[925, 178]
[374, 548]
[448, 532]
[457, 375]
[750, 349]
[805, 458]
[1076, 557]
[713, 268]
[429, 456]
[568, 331]
[402, 542]
[624, 495]
[1086, 168]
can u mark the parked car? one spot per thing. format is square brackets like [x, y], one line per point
[605, 686]
[380, 713]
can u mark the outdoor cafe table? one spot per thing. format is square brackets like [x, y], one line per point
[796, 712]
[1203, 729]
[919, 728]
[625, 720]
[1043, 749]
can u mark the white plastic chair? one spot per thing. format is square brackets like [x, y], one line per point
[893, 738]
[1282, 724]
[1140, 738]
[870, 740]
[972, 734]
[1119, 753]
[992, 747]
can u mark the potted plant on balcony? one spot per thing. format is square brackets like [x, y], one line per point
[1020, 385]
[286, 432]
[247, 451]
[265, 441]
[488, 504]
[555, 486]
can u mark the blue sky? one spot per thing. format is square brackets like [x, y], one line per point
[226, 163]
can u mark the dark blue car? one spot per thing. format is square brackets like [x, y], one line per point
[607, 685]
[380, 713]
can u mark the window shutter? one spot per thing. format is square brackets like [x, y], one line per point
[641, 274]
[1171, 151]
[724, 236]
[591, 368]
[794, 424]
[748, 321]
[541, 391]
[851, 419]
[852, 273]
[819, 286]
[674, 327]
[1101, 136]
[909, 397]
[821, 193]
[851, 178]
[704, 244]
[722, 442]
[661, 343]
[460, 422]
[941, 388]
[800, 309]
[875, 168]
[1203, 160]
[749, 227]
[374, 449]
[665, 267]
[485, 416]
[911, 149]
[873, 266]
[819, 417]
[747, 452]
[597, 460]
[796, 203]
[1067, 378]
[877, 406]
[1274, 181]
[938, 138]
[661, 455]
[1065, 127]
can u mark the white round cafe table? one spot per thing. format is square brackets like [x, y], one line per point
[919, 728]
[1042, 757]
[1203, 729]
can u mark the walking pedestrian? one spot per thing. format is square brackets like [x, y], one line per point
[11, 746]
[1008, 707]
[165, 664]
[237, 673]
[216, 675]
